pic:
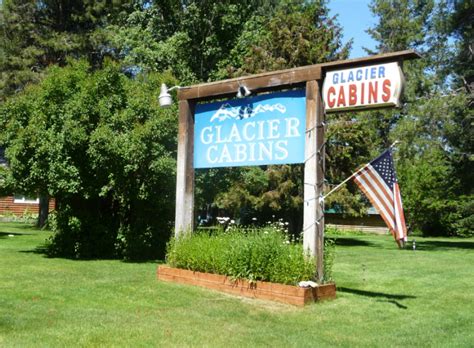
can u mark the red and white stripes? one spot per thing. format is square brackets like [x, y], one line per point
[385, 199]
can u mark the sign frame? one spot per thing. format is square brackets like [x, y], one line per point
[311, 78]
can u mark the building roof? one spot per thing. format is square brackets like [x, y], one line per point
[337, 210]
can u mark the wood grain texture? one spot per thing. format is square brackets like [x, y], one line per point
[320, 170]
[310, 201]
[184, 219]
[284, 78]
[262, 290]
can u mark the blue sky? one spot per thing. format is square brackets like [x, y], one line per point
[355, 17]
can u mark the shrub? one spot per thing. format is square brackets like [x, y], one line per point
[264, 254]
[329, 256]
[98, 142]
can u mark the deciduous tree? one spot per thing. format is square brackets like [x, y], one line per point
[98, 143]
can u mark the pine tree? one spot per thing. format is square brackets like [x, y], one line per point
[461, 26]
[433, 124]
[36, 34]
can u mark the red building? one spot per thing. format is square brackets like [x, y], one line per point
[18, 205]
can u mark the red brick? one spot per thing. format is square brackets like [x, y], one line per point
[7, 205]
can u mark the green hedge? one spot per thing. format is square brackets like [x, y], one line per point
[265, 254]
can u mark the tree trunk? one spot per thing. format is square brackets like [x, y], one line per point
[43, 211]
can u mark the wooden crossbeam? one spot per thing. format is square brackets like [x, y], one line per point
[283, 78]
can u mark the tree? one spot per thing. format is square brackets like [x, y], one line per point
[298, 33]
[91, 137]
[189, 38]
[352, 141]
[433, 123]
[460, 26]
[98, 143]
[461, 133]
[34, 35]
[4, 190]
[204, 40]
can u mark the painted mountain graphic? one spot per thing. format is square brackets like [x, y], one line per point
[226, 111]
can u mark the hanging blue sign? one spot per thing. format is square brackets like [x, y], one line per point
[261, 130]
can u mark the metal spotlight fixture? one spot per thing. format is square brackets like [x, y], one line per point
[165, 99]
[243, 91]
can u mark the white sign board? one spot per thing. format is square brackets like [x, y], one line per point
[363, 87]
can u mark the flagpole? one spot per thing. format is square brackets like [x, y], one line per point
[354, 174]
[395, 143]
[342, 183]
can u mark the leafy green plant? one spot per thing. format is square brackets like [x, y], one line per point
[329, 256]
[28, 216]
[243, 253]
[99, 144]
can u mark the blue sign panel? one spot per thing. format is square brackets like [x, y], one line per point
[261, 130]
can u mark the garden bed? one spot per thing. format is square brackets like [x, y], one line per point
[262, 290]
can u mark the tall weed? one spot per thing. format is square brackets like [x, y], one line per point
[264, 254]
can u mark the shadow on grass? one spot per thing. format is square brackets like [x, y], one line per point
[43, 250]
[15, 234]
[18, 225]
[443, 245]
[390, 298]
[351, 242]
[399, 305]
[157, 261]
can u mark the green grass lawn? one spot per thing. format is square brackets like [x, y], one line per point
[386, 297]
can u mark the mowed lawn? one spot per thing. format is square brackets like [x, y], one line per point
[386, 297]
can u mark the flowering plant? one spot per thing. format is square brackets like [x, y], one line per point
[266, 253]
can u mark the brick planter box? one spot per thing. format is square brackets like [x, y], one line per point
[263, 290]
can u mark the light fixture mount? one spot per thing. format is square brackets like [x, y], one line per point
[243, 91]
[164, 98]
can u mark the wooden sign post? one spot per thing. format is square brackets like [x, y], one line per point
[356, 87]
[184, 217]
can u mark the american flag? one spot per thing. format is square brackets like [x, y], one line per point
[378, 181]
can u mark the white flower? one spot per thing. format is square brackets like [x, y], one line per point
[222, 220]
[254, 219]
